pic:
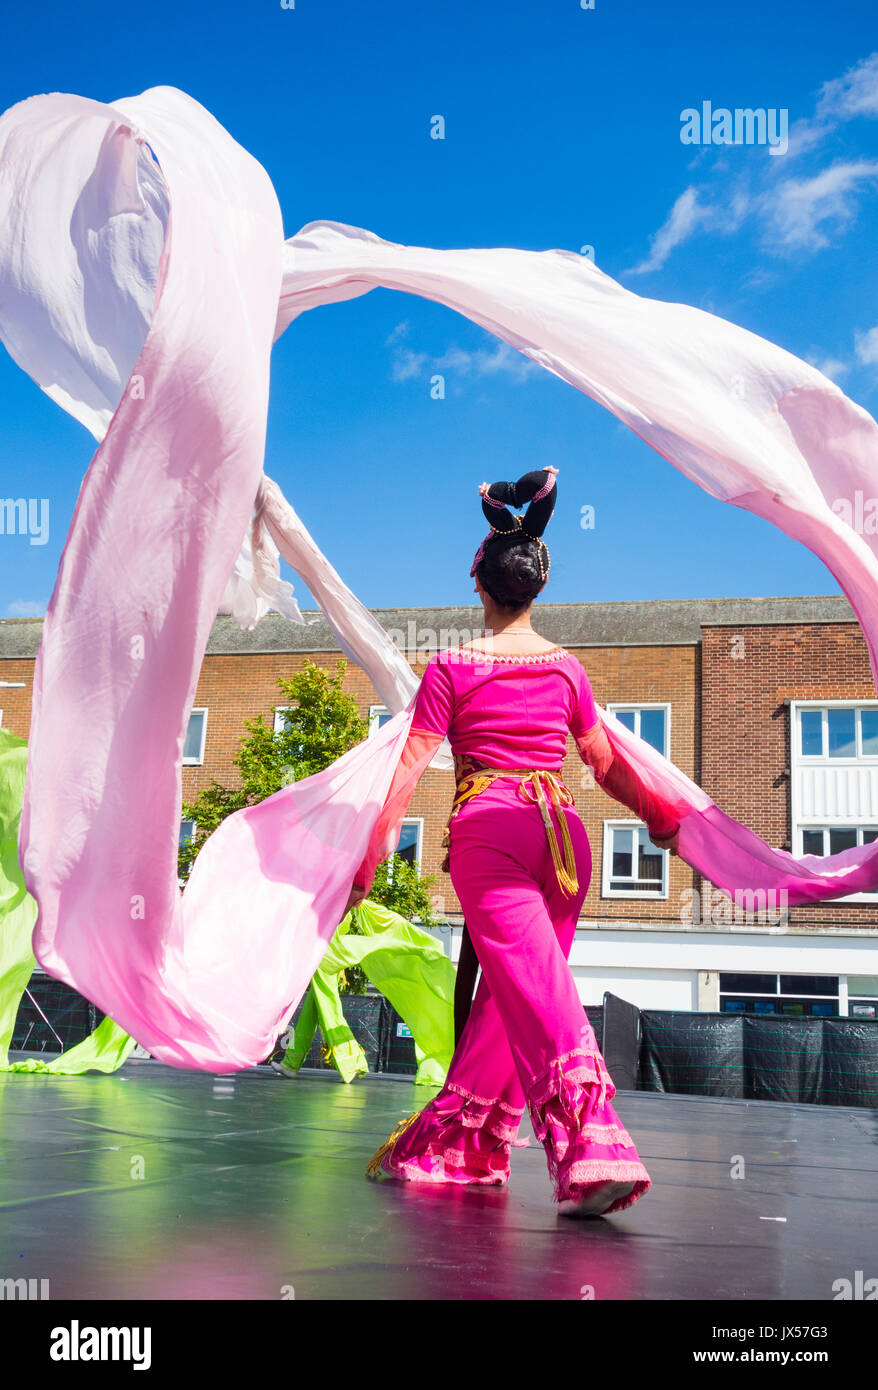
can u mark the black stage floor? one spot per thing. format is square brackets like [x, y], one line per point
[155, 1183]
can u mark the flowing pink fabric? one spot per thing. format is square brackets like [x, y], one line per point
[143, 278]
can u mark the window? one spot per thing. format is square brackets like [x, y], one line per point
[633, 867]
[411, 834]
[378, 717]
[789, 996]
[409, 845]
[652, 723]
[280, 717]
[833, 778]
[193, 748]
[187, 835]
[863, 996]
[837, 731]
[829, 839]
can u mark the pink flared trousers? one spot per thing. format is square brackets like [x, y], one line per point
[527, 1042]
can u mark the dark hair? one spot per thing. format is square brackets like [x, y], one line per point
[511, 574]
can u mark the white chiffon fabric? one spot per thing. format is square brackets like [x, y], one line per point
[143, 279]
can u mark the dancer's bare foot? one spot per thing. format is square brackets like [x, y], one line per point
[597, 1200]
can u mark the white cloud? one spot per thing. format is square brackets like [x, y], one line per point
[407, 364]
[688, 216]
[482, 362]
[400, 331]
[841, 99]
[830, 366]
[685, 216]
[26, 608]
[803, 212]
[489, 361]
[866, 346]
[800, 214]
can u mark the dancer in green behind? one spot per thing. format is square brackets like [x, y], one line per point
[109, 1045]
[407, 966]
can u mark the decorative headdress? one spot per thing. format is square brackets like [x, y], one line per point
[540, 490]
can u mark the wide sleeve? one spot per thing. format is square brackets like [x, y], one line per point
[432, 715]
[613, 772]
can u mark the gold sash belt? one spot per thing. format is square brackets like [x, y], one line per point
[534, 785]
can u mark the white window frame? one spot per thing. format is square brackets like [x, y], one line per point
[417, 821]
[199, 760]
[808, 759]
[279, 721]
[184, 820]
[635, 706]
[799, 759]
[607, 865]
[375, 713]
[839, 998]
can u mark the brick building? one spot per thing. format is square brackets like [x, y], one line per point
[767, 703]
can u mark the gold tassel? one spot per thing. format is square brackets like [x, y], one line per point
[565, 870]
[373, 1167]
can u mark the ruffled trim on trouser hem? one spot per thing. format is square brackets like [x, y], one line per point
[584, 1139]
[458, 1138]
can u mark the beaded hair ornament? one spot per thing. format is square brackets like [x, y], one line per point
[540, 490]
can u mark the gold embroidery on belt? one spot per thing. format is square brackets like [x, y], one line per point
[535, 784]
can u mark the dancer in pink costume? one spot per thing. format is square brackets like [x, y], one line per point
[520, 863]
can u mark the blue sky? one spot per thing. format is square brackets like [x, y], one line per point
[562, 130]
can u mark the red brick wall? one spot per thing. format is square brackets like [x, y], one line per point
[729, 730]
[746, 725]
[235, 688]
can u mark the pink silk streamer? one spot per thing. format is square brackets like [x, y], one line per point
[143, 279]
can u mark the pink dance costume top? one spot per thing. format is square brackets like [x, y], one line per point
[508, 711]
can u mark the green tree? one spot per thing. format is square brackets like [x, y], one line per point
[321, 724]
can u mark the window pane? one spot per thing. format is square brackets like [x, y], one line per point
[764, 1006]
[652, 728]
[869, 724]
[622, 867]
[809, 984]
[192, 746]
[626, 717]
[841, 839]
[408, 839]
[863, 985]
[186, 829]
[733, 1006]
[812, 842]
[731, 982]
[869, 836]
[812, 732]
[649, 859]
[842, 736]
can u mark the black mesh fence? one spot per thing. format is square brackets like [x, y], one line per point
[804, 1061]
[692, 1054]
[365, 1016]
[52, 1017]
[810, 1061]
